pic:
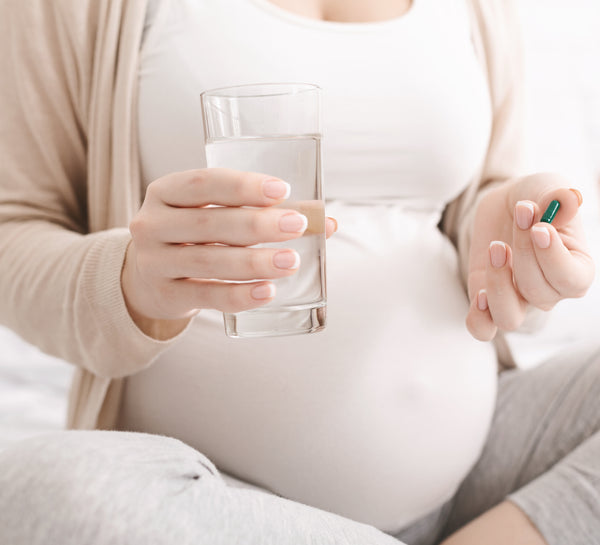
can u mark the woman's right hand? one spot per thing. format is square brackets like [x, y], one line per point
[189, 246]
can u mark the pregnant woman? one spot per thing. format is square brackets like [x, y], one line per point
[390, 425]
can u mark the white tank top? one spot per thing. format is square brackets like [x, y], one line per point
[381, 415]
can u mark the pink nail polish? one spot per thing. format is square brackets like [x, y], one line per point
[263, 291]
[498, 254]
[541, 236]
[578, 195]
[482, 301]
[286, 259]
[334, 223]
[293, 223]
[524, 214]
[276, 189]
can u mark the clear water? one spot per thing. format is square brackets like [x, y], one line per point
[296, 160]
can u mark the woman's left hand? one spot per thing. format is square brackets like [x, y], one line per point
[517, 262]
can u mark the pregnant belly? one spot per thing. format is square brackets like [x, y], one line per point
[377, 418]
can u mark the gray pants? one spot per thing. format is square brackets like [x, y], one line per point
[113, 488]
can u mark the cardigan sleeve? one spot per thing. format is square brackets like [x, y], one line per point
[497, 42]
[59, 283]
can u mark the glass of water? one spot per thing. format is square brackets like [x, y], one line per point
[275, 129]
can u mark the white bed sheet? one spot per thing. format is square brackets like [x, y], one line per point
[33, 390]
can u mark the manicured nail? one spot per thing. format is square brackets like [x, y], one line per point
[578, 194]
[550, 212]
[276, 189]
[541, 236]
[482, 301]
[293, 223]
[263, 291]
[287, 259]
[524, 214]
[498, 254]
[334, 223]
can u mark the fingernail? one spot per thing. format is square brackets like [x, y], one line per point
[276, 189]
[578, 194]
[263, 291]
[287, 259]
[293, 223]
[498, 254]
[524, 214]
[482, 301]
[334, 222]
[541, 236]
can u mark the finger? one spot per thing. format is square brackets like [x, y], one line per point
[227, 263]
[479, 320]
[507, 307]
[223, 296]
[528, 276]
[570, 273]
[225, 225]
[220, 186]
[490, 222]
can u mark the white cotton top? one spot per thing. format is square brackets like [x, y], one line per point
[382, 414]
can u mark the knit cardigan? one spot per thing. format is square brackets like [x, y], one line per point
[70, 180]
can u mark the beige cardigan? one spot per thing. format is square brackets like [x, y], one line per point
[70, 180]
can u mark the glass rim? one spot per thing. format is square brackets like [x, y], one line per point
[231, 91]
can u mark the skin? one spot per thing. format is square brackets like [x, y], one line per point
[539, 264]
[504, 524]
[183, 249]
[178, 244]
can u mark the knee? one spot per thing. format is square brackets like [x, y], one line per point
[96, 487]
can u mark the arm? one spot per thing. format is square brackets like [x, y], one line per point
[103, 299]
[487, 209]
[511, 273]
[497, 44]
[59, 285]
[493, 209]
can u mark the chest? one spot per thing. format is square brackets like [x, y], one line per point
[346, 11]
[406, 110]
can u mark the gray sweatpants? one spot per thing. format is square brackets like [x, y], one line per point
[113, 488]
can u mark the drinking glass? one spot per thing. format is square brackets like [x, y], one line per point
[275, 129]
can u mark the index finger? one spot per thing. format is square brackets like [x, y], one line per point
[218, 186]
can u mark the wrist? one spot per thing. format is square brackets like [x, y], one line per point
[156, 328]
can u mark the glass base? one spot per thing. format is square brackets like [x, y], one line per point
[276, 322]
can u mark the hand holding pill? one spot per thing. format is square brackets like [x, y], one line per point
[528, 250]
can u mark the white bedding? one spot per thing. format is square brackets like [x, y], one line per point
[562, 49]
[33, 390]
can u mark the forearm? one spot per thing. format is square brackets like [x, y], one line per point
[61, 292]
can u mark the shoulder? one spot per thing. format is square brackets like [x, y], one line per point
[72, 25]
[45, 16]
